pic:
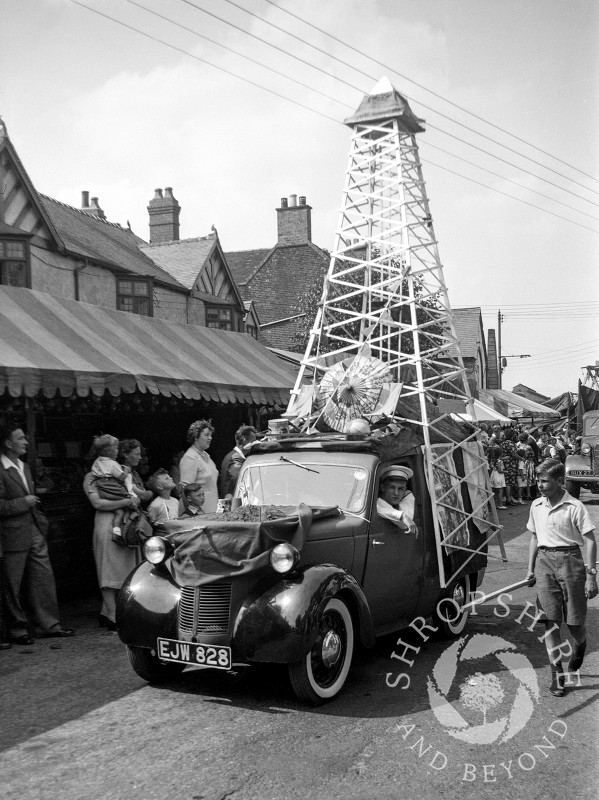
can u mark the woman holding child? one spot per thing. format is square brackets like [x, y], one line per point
[114, 561]
[196, 466]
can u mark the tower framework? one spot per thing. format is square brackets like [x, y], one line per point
[385, 302]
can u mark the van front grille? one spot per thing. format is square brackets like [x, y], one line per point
[205, 609]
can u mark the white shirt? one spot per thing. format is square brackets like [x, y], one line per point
[19, 466]
[561, 525]
[403, 516]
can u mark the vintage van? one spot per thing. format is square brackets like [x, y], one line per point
[301, 573]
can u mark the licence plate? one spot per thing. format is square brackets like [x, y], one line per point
[205, 655]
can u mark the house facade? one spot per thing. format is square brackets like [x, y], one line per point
[277, 279]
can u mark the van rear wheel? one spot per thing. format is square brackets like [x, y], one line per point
[321, 674]
[449, 616]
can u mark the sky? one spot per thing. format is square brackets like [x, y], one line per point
[90, 104]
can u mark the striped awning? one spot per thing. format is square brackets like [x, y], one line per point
[51, 344]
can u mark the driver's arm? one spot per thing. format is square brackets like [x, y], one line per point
[403, 516]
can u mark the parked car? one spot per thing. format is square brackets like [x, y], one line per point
[582, 467]
[302, 591]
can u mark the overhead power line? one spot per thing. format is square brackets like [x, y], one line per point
[430, 91]
[202, 60]
[291, 100]
[371, 77]
[423, 105]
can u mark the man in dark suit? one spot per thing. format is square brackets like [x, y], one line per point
[232, 462]
[23, 529]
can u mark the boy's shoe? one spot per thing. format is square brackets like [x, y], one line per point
[117, 537]
[577, 657]
[557, 683]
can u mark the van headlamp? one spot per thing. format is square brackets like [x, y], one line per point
[284, 557]
[157, 550]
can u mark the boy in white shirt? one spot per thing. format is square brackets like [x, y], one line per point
[164, 506]
[560, 527]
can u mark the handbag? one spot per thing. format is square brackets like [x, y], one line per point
[137, 530]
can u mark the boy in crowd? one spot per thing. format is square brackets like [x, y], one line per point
[193, 499]
[561, 527]
[164, 506]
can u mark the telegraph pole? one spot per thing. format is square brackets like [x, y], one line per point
[499, 363]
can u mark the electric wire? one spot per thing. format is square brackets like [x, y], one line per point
[430, 91]
[202, 60]
[357, 88]
[429, 108]
[237, 53]
[509, 180]
[333, 99]
[295, 102]
[505, 194]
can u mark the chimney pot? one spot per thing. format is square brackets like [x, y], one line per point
[168, 191]
[292, 200]
[283, 202]
[84, 199]
[95, 202]
[157, 193]
[302, 200]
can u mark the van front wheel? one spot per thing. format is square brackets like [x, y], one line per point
[322, 673]
[449, 616]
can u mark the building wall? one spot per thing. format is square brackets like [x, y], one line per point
[55, 274]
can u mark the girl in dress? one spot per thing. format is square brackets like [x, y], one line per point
[496, 470]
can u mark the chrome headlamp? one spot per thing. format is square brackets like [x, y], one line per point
[157, 549]
[585, 449]
[284, 557]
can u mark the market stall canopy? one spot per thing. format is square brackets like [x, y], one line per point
[52, 344]
[514, 405]
[484, 413]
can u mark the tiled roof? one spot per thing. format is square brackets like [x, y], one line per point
[106, 242]
[468, 328]
[182, 258]
[243, 263]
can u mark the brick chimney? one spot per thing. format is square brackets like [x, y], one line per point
[92, 207]
[294, 221]
[164, 217]
[492, 365]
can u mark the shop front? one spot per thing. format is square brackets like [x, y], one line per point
[70, 370]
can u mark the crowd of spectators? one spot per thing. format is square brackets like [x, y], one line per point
[513, 454]
[119, 497]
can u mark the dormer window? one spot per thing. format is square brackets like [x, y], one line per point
[14, 262]
[134, 296]
[221, 318]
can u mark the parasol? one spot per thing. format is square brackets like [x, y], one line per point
[351, 389]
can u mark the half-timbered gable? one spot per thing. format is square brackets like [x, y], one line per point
[199, 264]
[51, 247]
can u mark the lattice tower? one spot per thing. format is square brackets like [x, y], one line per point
[384, 294]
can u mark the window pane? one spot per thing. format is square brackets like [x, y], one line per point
[125, 287]
[212, 324]
[15, 250]
[13, 273]
[124, 304]
[225, 313]
[141, 288]
[212, 314]
[141, 306]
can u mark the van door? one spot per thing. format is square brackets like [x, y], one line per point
[393, 571]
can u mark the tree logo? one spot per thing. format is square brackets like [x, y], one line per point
[480, 692]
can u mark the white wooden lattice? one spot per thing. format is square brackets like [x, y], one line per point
[385, 296]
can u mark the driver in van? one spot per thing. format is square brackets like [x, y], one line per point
[396, 502]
